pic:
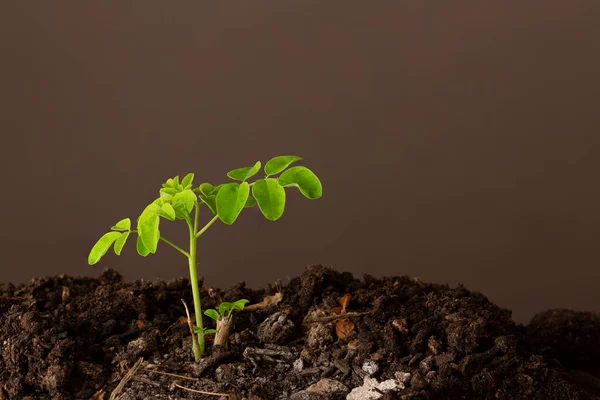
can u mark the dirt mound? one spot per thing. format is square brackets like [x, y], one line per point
[332, 336]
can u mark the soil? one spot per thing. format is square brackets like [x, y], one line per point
[331, 336]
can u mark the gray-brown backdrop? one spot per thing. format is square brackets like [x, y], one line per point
[457, 141]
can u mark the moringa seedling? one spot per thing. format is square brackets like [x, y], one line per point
[222, 315]
[180, 200]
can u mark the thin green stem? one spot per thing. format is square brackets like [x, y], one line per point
[185, 253]
[199, 352]
[212, 221]
[179, 249]
[197, 206]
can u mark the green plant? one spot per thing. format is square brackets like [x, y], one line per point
[180, 200]
[222, 315]
[224, 310]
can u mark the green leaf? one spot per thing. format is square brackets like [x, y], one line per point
[211, 313]
[167, 192]
[148, 227]
[278, 164]
[239, 305]
[187, 180]
[218, 188]
[270, 197]
[167, 211]
[303, 178]
[241, 174]
[102, 246]
[141, 249]
[120, 242]
[176, 181]
[165, 198]
[224, 308]
[211, 202]
[122, 225]
[187, 198]
[251, 202]
[206, 188]
[204, 331]
[183, 203]
[231, 200]
[169, 184]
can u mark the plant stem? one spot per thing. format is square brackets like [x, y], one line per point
[212, 221]
[199, 351]
[179, 249]
[185, 253]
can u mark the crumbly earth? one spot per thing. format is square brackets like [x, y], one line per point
[80, 338]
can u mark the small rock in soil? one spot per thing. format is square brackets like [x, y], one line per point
[319, 335]
[372, 389]
[276, 329]
[370, 367]
[329, 387]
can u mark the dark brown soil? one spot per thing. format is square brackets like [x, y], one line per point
[76, 338]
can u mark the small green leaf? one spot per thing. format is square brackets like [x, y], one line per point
[241, 174]
[270, 197]
[278, 164]
[217, 188]
[141, 249]
[239, 305]
[170, 183]
[231, 200]
[165, 198]
[206, 188]
[120, 242]
[167, 192]
[303, 178]
[122, 225]
[176, 181]
[148, 227]
[251, 202]
[167, 211]
[187, 180]
[211, 202]
[211, 313]
[150, 233]
[102, 246]
[183, 203]
[224, 308]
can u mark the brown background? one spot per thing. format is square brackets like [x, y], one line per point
[457, 141]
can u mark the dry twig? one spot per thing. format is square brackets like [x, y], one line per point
[126, 379]
[169, 374]
[202, 392]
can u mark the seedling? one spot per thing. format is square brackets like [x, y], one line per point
[222, 315]
[180, 200]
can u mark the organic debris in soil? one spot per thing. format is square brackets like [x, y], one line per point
[392, 338]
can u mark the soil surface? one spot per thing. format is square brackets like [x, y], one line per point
[330, 336]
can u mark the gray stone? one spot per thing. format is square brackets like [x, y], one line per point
[370, 367]
[372, 389]
[276, 329]
[329, 387]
